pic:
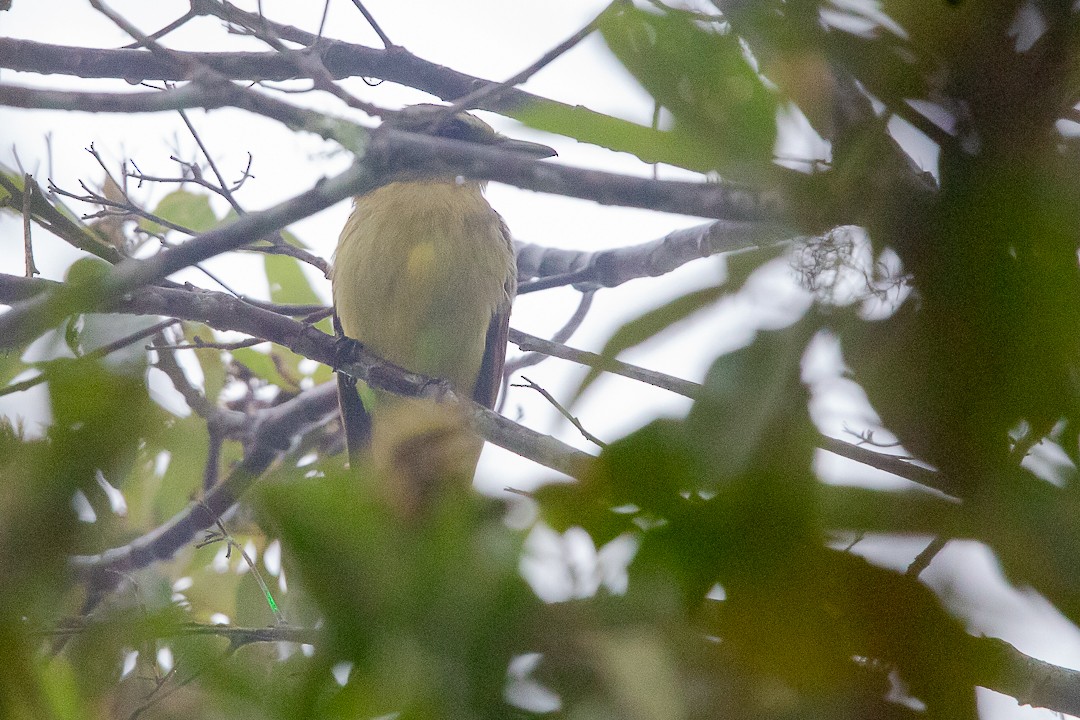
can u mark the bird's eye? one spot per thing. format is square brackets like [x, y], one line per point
[457, 129]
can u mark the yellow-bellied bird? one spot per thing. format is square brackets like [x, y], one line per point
[424, 275]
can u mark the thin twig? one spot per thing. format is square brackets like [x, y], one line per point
[563, 411]
[923, 559]
[128, 208]
[196, 400]
[222, 185]
[158, 34]
[120, 21]
[28, 245]
[325, 13]
[374, 25]
[552, 281]
[492, 91]
[286, 309]
[564, 333]
[203, 345]
[307, 63]
[223, 535]
[651, 377]
[280, 247]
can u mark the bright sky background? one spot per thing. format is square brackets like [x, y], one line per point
[492, 39]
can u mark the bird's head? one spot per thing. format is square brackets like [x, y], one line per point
[434, 120]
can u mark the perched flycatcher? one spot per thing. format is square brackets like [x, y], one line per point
[424, 275]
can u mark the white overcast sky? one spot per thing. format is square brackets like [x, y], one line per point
[492, 39]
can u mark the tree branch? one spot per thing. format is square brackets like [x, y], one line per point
[610, 268]
[389, 147]
[272, 430]
[237, 636]
[225, 312]
[29, 318]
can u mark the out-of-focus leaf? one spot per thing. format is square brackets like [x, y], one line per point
[213, 368]
[413, 604]
[15, 179]
[86, 270]
[185, 441]
[703, 77]
[914, 512]
[673, 147]
[801, 45]
[61, 691]
[252, 606]
[288, 284]
[754, 404]
[642, 673]
[186, 209]
[100, 416]
[645, 472]
[323, 373]
[652, 467]
[10, 366]
[807, 621]
[584, 504]
[37, 527]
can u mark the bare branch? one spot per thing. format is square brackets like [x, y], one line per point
[28, 245]
[272, 430]
[396, 148]
[228, 313]
[563, 411]
[564, 333]
[493, 91]
[610, 268]
[26, 320]
[531, 343]
[374, 25]
[237, 636]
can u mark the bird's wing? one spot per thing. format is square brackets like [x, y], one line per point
[354, 417]
[489, 380]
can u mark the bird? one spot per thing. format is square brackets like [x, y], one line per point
[424, 275]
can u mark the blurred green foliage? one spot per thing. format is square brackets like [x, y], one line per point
[743, 598]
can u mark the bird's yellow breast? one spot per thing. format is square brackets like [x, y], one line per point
[419, 270]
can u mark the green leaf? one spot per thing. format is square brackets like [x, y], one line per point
[100, 415]
[703, 78]
[650, 145]
[642, 671]
[15, 179]
[288, 284]
[186, 441]
[183, 208]
[430, 609]
[86, 270]
[652, 467]
[10, 366]
[271, 366]
[61, 691]
[753, 400]
[210, 360]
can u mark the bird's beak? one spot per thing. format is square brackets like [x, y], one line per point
[525, 147]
